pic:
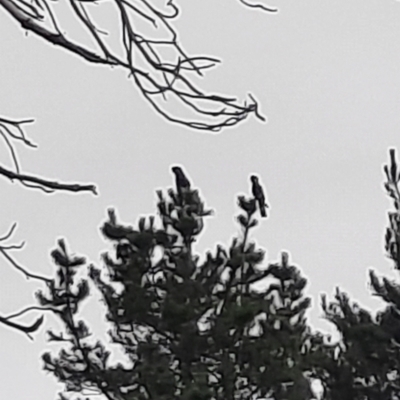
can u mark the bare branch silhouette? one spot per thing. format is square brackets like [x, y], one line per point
[23, 328]
[11, 130]
[4, 249]
[258, 5]
[163, 80]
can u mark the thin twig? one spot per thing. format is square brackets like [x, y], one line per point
[260, 6]
[157, 78]
[22, 269]
[46, 184]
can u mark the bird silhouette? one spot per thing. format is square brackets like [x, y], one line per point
[258, 194]
[180, 179]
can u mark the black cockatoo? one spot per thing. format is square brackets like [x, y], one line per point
[258, 194]
[181, 181]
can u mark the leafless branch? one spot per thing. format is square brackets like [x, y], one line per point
[22, 269]
[259, 5]
[11, 130]
[162, 80]
[30, 308]
[4, 251]
[46, 185]
[23, 328]
[7, 320]
[10, 232]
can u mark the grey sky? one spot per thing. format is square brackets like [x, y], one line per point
[326, 75]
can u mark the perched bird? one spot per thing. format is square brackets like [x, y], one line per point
[258, 194]
[181, 181]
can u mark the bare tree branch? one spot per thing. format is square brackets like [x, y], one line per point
[162, 80]
[4, 251]
[23, 328]
[12, 130]
[22, 269]
[7, 320]
[46, 184]
[56, 38]
[259, 5]
[31, 308]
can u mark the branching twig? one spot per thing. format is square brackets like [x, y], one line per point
[46, 185]
[159, 79]
[30, 328]
[22, 269]
[7, 320]
[4, 251]
[31, 308]
[12, 130]
[25, 329]
[259, 5]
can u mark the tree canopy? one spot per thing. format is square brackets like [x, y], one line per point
[191, 328]
[219, 325]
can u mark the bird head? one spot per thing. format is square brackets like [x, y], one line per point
[176, 170]
[254, 178]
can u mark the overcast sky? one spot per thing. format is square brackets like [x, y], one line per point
[327, 78]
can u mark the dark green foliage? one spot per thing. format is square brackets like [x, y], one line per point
[198, 329]
[358, 366]
[191, 329]
[365, 362]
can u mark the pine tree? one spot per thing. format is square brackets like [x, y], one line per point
[285, 335]
[387, 290]
[191, 329]
[364, 364]
[357, 366]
